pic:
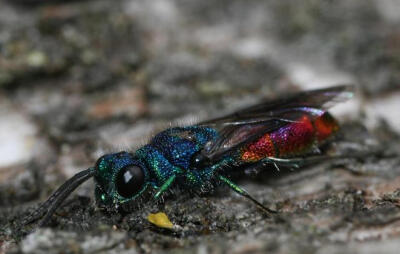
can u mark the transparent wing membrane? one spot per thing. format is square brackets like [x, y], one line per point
[252, 122]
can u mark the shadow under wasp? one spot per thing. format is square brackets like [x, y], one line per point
[281, 132]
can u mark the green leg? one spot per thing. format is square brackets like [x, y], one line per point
[244, 193]
[165, 186]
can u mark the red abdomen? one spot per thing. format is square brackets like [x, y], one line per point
[293, 139]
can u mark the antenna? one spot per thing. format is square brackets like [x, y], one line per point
[54, 201]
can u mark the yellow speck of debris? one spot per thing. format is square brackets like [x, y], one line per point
[160, 220]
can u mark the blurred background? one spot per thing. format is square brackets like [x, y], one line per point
[82, 78]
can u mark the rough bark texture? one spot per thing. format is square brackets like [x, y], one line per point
[82, 78]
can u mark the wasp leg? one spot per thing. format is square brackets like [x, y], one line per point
[244, 193]
[299, 161]
[165, 186]
[292, 162]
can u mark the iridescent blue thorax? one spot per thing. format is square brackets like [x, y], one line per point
[171, 151]
[179, 144]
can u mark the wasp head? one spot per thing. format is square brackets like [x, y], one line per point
[120, 179]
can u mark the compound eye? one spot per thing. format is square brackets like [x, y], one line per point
[129, 181]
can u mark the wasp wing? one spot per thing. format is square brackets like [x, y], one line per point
[250, 123]
[312, 101]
